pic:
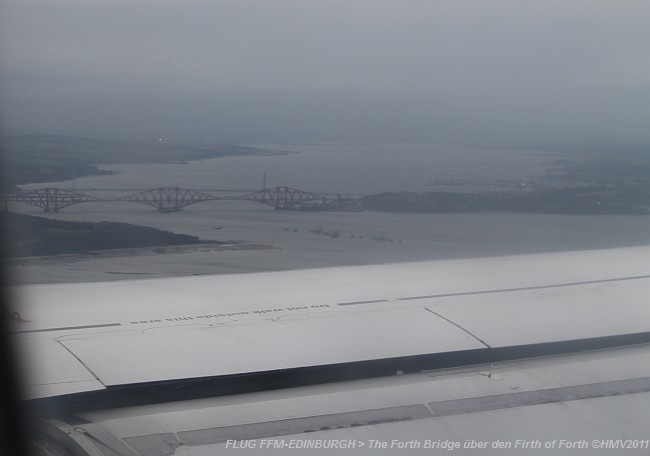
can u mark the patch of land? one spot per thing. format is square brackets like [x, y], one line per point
[37, 236]
[602, 184]
[51, 158]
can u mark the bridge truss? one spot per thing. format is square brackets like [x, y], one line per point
[49, 199]
[169, 199]
[165, 199]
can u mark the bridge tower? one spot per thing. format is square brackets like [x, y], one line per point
[282, 197]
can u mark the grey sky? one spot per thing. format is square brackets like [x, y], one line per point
[454, 70]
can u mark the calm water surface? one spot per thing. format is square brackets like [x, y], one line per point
[289, 235]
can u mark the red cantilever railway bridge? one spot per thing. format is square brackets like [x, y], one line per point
[165, 199]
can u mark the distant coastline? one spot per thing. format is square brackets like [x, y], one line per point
[613, 183]
[616, 182]
[32, 159]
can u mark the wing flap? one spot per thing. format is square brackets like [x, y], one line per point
[81, 338]
[268, 345]
[541, 316]
[52, 370]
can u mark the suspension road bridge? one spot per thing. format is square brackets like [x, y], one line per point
[174, 199]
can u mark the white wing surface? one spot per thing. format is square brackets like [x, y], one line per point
[150, 366]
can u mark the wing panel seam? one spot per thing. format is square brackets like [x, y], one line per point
[536, 287]
[459, 327]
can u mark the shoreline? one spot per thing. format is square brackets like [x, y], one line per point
[29, 159]
[135, 251]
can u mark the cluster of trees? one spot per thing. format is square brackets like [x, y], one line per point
[37, 236]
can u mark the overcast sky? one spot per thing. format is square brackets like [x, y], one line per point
[335, 70]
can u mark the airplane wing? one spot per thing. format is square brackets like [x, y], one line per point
[544, 352]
